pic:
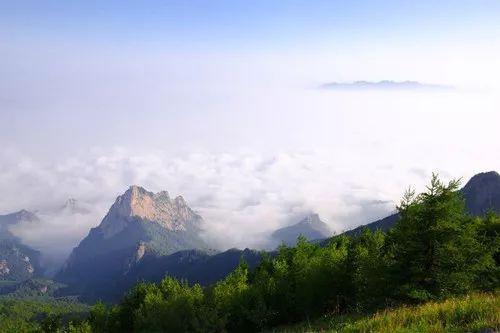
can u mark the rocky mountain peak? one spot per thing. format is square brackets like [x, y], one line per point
[73, 206]
[71, 202]
[482, 193]
[312, 219]
[18, 217]
[310, 227]
[490, 178]
[138, 203]
[179, 201]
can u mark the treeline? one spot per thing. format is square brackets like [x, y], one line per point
[435, 251]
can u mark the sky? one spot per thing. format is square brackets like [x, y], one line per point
[223, 102]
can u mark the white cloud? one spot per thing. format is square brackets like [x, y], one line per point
[241, 196]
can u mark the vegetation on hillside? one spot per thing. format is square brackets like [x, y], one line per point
[474, 313]
[42, 315]
[435, 252]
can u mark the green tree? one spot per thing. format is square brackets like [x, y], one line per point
[368, 266]
[79, 327]
[433, 243]
[231, 299]
[52, 324]
[488, 235]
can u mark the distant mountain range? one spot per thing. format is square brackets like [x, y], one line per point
[384, 85]
[146, 235]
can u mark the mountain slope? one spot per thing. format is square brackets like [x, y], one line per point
[311, 227]
[195, 266]
[481, 193]
[138, 224]
[17, 261]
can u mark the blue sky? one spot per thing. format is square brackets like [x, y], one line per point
[216, 24]
[219, 101]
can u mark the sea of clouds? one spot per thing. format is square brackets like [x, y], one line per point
[242, 197]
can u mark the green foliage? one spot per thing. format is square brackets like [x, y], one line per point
[170, 306]
[436, 251]
[488, 235]
[368, 260]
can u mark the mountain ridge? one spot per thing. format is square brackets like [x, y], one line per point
[481, 193]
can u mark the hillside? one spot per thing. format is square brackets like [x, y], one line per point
[474, 313]
[194, 266]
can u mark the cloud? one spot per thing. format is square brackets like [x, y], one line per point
[56, 234]
[385, 85]
[242, 196]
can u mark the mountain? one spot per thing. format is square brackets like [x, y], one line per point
[145, 236]
[139, 224]
[481, 193]
[17, 261]
[311, 227]
[9, 220]
[383, 224]
[383, 85]
[72, 206]
[30, 288]
[194, 266]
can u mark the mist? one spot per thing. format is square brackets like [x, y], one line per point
[242, 197]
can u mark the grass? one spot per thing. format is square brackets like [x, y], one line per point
[474, 313]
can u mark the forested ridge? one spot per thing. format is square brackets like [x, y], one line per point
[436, 251]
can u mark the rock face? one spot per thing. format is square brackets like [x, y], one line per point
[481, 193]
[139, 224]
[311, 227]
[139, 204]
[17, 261]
